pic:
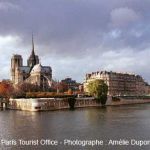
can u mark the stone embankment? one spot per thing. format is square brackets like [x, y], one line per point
[127, 101]
[44, 104]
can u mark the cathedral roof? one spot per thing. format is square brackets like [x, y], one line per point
[37, 69]
[47, 68]
[41, 69]
[25, 69]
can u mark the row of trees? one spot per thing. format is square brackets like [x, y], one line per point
[7, 90]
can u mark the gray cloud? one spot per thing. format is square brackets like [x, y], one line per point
[122, 17]
[6, 6]
[77, 36]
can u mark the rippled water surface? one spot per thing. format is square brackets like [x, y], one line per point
[121, 122]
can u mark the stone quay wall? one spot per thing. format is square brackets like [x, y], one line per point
[44, 104]
[124, 101]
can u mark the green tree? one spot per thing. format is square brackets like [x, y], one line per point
[99, 89]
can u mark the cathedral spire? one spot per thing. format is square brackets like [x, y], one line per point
[33, 53]
[33, 59]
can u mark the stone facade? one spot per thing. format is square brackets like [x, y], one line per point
[119, 83]
[33, 73]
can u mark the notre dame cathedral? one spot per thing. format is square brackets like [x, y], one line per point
[33, 73]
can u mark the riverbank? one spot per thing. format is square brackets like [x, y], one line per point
[49, 104]
[127, 101]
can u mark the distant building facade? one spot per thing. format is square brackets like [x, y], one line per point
[33, 73]
[70, 84]
[119, 83]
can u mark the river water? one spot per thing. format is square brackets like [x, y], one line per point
[130, 122]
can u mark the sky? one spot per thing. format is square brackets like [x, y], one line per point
[76, 37]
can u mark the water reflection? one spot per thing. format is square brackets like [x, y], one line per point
[130, 121]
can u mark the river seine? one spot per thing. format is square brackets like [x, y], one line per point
[118, 128]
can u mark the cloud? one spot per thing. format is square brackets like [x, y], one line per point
[7, 6]
[121, 17]
[78, 36]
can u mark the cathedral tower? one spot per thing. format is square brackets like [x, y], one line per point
[16, 62]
